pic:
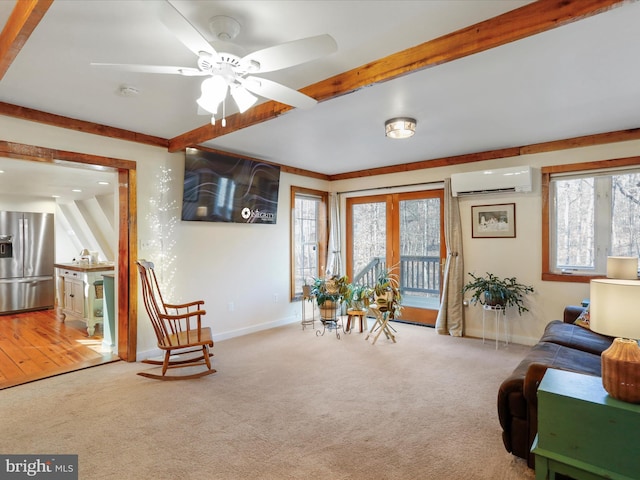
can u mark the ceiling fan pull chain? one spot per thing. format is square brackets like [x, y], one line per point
[224, 120]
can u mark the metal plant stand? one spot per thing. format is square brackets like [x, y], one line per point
[307, 298]
[331, 324]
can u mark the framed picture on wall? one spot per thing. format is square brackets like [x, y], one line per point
[493, 221]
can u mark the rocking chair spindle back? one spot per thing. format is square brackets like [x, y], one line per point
[178, 328]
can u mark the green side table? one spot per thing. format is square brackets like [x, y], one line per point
[583, 432]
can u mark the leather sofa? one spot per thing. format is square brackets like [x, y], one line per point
[563, 346]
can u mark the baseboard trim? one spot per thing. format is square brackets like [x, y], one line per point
[490, 336]
[156, 352]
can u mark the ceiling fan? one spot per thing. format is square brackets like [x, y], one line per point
[229, 70]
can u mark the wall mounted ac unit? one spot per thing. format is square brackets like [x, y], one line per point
[497, 180]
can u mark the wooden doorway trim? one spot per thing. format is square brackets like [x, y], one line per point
[426, 313]
[127, 235]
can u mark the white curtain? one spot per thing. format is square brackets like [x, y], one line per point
[451, 314]
[334, 257]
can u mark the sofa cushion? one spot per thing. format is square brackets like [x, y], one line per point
[573, 336]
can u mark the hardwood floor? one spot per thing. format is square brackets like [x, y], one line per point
[36, 345]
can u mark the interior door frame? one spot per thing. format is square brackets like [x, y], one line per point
[392, 201]
[127, 228]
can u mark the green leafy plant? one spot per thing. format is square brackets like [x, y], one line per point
[494, 291]
[387, 291]
[332, 289]
[329, 293]
[358, 296]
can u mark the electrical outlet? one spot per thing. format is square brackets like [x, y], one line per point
[231, 307]
[275, 298]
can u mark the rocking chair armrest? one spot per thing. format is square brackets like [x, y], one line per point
[186, 315]
[184, 305]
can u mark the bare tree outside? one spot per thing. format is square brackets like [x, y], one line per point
[596, 217]
[369, 234]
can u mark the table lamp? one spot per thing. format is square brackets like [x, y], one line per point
[615, 311]
[622, 267]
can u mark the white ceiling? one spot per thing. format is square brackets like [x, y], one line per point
[579, 79]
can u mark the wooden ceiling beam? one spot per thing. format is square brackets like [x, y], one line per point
[531, 19]
[22, 22]
[38, 116]
[552, 146]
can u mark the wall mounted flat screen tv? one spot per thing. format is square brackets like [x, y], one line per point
[224, 188]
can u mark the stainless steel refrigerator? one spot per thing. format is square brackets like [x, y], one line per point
[26, 261]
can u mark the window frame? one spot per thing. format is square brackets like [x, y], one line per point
[547, 172]
[322, 228]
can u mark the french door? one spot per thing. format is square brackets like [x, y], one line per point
[402, 232]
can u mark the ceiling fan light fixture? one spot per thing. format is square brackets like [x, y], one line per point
[214, 91]
[400, 127]
[244, 100]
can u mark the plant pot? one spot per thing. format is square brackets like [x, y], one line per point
[306, 291]
[492, 301]
[329, 310]
[384, 300]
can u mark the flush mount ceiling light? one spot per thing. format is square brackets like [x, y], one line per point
[400, 127]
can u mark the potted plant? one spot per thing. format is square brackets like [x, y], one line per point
[494, 291]
[329, 294]
[387, 292]
[358, 296]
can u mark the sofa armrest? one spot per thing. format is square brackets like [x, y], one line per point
[572, 312]
[532, 380]
[530, 391]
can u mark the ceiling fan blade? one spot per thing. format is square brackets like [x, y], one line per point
[186, 71]
[289, 54]
[278, 92]
[184, 31]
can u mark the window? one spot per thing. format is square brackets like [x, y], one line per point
[309, 237]
[591, 215]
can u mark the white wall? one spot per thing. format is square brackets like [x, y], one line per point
[246, 265]
[242, 271]
[26, 203]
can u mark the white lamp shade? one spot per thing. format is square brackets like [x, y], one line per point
[622, 267]
[614, 308]
[214, 91]
[244, 100]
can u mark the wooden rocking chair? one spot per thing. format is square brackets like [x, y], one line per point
[178, 329]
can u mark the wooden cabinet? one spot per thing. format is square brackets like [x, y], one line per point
[73, 295]
[80, 292]
[583, 432]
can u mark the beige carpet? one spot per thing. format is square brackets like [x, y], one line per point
[285, 404]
